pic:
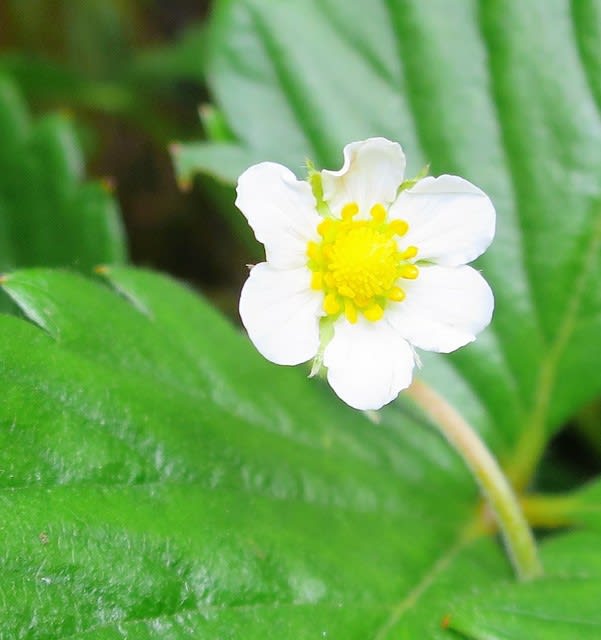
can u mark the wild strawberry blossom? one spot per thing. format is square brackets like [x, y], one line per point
[362, 267]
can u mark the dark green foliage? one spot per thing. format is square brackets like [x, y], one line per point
[48, 214]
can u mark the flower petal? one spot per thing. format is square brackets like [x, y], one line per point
[368, 363]
[450, 220]
[281, 211]
[281, 313]
[444, 308]
[372, 171]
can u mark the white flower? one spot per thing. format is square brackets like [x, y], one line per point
[360, 270]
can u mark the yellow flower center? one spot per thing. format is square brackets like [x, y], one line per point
[358, 263]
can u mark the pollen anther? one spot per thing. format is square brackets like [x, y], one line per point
[331, 305]
[350, 311]
[324, 227]
[409, 271]
[349, 210]
[317, 280]
[396, 294]
[378, 212]
[313, 250]
[346, 291]
[358, 263]
[374, 312]
[398, 227]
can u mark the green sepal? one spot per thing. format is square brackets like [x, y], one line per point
[326, 333]
[314, 179]
[408, 184]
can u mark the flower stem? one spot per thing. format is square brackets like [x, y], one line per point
[517, 536]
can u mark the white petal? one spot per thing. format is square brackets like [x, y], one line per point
[281, 211]
[372, 171]
[450, 220]
[368, 363]
[444, 309]
[281, 313]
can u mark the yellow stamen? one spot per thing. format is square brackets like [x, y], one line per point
[378, 212]
[396, 294]
[317, 280]
[349, 210]
[398, 227]
[409, 271]
[358, 264]
[313, 251]
[374, 313]
[350, 311]
[345, 291]
[331, 305]
[325, 226]
[410, 252]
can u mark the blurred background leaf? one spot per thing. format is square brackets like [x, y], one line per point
[101, 56]
[48, 214]
[135, 89]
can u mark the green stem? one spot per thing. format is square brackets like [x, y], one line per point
[516, 533]
[552, 512]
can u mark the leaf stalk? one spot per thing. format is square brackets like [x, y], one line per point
[498, 493]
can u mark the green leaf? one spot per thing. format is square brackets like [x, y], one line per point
[48, 214]
[160, 477]
[581, 508]
[182, 59]
[216, 159]
[93, 35]
[47, 82]
[504, 94]
[561, 606]
[161, 480]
